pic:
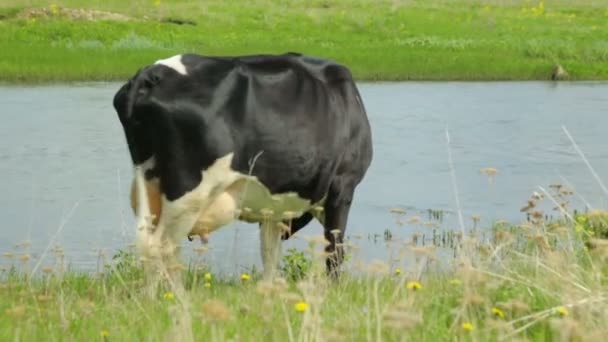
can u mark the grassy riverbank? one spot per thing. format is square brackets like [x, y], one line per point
[538, 281]
[381, 40]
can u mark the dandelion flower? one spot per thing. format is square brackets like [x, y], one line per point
[301, 306]
[244, 277]
[207, 276]
[397, 271]
[207, 284]
[562, 311]
[498, 312]
[54, 8]
[467, 326]
[414, 285]
[104, 333]
[169, 296]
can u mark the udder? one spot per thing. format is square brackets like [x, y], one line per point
[222, 211]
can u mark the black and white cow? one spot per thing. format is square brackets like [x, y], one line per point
[272, 139]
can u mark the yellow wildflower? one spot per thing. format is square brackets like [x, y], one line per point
[455, 281]
[579, 228]
[467, 326]
[169, 296]
[54, 8]
[244, 277]
[498, 312]
[397, 271]
[104, 333]
[156, 3]
[207, 284]
[414, 285]
[207, 276]
[562, 311]
[581, 219]
[301, 306]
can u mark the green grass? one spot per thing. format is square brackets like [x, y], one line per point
[538, 281]
[379, 40]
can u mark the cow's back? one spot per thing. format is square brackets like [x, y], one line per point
[302, 117]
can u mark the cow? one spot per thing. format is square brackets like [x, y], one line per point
[276, 140]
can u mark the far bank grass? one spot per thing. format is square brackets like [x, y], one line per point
[379, 40]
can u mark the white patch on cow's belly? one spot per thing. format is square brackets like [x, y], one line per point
[225, 195]
[174, 63]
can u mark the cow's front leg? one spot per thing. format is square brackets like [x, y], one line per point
[160, 247]
[147, 238]
[270, 240]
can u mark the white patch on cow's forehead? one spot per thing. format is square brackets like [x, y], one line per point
[174, 63]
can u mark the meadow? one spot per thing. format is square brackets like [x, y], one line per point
[542, 279]
[75, 40]
[536, 281]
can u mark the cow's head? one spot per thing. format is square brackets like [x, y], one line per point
[145, 100]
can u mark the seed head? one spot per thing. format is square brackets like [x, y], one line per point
[16, 312]
[402, 318]
[489, 171]
[215, 310]
[473, 299]
[24, 258]
[414, 219]
[290, 215]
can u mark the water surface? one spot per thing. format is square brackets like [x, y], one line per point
[66, 170]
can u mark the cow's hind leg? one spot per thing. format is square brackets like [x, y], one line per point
[296, 224]
[270, 243]
[337, 208]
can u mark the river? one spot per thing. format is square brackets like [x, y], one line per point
[66, 172]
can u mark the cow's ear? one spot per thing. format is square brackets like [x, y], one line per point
[121, 101]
